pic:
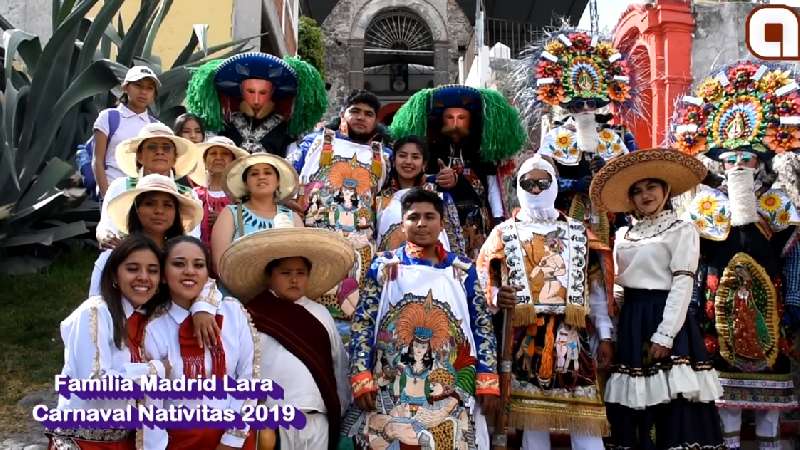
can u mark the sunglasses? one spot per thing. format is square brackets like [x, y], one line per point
[529, 184]
[733, 158]
[582, 104]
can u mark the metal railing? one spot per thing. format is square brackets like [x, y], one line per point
[516, 35]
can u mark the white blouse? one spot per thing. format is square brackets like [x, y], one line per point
[240, 343]
[285, 369]
[90, 352]
[660, 253]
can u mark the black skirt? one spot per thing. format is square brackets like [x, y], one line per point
[661, 404]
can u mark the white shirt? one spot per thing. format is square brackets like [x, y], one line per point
[90, 352]
[106, 226]
[285, 369]
[238, 340]
[130, 123]
[658, 253]
[97, 272]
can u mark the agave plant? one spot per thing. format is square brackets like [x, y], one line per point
[50, 97]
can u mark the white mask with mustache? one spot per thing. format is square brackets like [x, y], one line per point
[586, 131]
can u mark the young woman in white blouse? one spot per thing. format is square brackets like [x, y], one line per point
[662, 389]
[154, 207]
[171, 336]
[103, 337]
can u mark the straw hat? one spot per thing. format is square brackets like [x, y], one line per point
[609, 189]
[199, 175]
[186, 152]
[236, 187]
[242, 266]
[190, 209]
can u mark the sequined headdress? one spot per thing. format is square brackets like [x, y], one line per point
[745, 105]
[570, 65]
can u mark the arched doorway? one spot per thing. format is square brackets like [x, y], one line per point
[398, 54]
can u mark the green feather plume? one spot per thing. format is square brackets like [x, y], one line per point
[412, 117]
[503, 135]
[311, 100]
[202, 98]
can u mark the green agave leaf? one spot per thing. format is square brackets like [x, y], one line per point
[120, 29]
[113, 35]
[49, 79]
[47, 236]
[163, 8]
[46, 182]
[134, 38]
[98, 78]
[5, 24]
[186, 53]
[198, 56]
[63, 11]
[96, 31]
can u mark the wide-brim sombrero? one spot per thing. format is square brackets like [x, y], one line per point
[609, 189]
[186, 154]
[230, 74]
[242, 266]
[191, 210]
[199, 175]
[455, 96]
[236, 187]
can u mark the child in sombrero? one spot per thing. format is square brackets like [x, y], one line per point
[277, 273]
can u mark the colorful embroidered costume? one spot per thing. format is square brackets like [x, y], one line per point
[297, 92]
[490, 132]
[423, 339]
[580, 73]
[554, 384]
[743, 115]
[341, 179]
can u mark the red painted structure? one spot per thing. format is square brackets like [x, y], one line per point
[658, 38]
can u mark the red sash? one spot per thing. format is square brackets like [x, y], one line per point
[135, 326]
[194, 357]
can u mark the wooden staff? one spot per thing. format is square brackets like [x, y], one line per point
[500, 437]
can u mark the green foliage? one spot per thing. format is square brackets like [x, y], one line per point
[50, 97]
[311, 99]
[310, 45]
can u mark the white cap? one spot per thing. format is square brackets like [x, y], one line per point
[137, 73]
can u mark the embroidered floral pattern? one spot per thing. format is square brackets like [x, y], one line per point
[560, 144]
[743, 105]
[583, 68]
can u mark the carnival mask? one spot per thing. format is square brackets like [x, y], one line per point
[455, 123]
[257, 98]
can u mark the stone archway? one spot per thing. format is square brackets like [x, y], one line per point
[432, 18]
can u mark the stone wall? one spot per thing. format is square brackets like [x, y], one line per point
[719, 35]
[32, 16]
[344, 30]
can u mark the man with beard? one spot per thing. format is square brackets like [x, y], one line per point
[261, 102]
[469, 131]
[341, 172]
[744, 117]
[584, 141]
